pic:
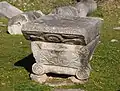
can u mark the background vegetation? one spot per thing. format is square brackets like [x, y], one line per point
[105, 75]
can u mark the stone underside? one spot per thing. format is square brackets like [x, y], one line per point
[62, 46]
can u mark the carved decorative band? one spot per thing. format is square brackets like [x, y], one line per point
[55, 38]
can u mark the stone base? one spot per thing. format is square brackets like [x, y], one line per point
[41, 79]
[56, 81]
[15, 23]
[75, 80]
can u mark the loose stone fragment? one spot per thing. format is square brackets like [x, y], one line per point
[16, 22]
[8, 10]
[85, 7]
[41, 78]
[65, 11]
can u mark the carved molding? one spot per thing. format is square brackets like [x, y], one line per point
[55, 38]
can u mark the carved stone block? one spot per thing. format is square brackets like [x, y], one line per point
[63, 45]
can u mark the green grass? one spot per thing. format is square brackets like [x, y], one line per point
[45, 6]
[105, 75]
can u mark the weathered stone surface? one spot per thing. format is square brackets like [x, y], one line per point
[75, 80]
[63, 45]
[54, 28]
[7, 10]
[81, 9]
[39, 78]
[16, 22]
[63, 58]
[85, 7]
[65, 11]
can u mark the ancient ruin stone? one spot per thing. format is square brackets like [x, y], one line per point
[85, 7]
[63, 45]
[81, 9]
[65, 11]
[16, 22]
[65, 30]
[39, 78]
[8, 10]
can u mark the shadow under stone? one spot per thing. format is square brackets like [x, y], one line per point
[57, 75]
[26, 62]
[78, 0]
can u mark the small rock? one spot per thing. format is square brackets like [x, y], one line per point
[117, 28]
[50, 77]
[99, 42]
[41, 79]
[2, 83]
[114, 40]
[20, 42]
[118, 50]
